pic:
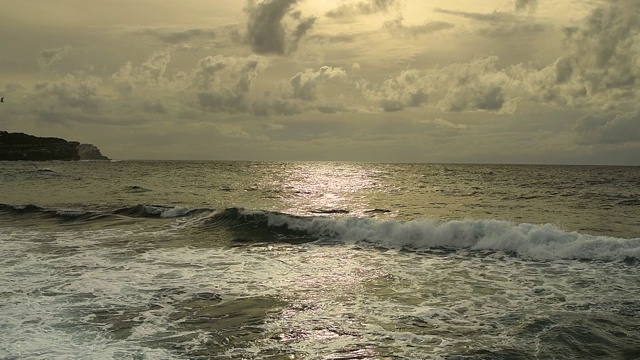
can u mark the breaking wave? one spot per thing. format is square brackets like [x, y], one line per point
[541, 242]
[157, 211]
[535, 241]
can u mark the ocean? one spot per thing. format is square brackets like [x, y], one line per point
[318, 260]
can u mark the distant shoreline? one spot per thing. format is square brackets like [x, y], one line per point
[25, 147]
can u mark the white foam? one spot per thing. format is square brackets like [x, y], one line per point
[543, 242]
[175, 212]
[166, 212]
[336, 296]
[70, 212]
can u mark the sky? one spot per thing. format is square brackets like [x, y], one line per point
[492, 81]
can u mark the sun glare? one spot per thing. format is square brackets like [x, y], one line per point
[325, 188]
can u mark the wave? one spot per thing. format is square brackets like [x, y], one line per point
[136, 189]
[535, 241]
[540, 242]
[157, 211]
[34, 212]
[136, 211]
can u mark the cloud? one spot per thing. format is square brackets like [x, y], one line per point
[179, 36]
[409, 89]
[599, 66]
[397, 27]
[440, 123]
[151, 72]
[364, 7]
[73, 97]
[477, 85]
[472, 86]
[267, 30]
[301, 30]
[224, 83]
[503, 25]
[494, 17]
[270, 106]
[216, 83]
[304, 84]
[523, 5]
[301, 93]
[609, 128]
[49, 56]
[513, 31]
[75, 91]
[602, 57]
[345, 38]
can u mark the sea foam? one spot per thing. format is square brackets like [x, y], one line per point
[542, 242]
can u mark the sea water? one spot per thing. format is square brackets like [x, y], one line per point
[318, 260]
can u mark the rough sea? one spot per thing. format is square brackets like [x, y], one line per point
[318, 260]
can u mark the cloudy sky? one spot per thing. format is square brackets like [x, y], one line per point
[492, 81]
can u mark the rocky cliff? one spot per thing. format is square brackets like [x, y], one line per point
[19, 146]
[90, 152]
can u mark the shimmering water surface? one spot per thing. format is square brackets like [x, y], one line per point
[318, 260]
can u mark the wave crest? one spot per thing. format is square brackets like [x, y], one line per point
[141, 210]
[541, 242]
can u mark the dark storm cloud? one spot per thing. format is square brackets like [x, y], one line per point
[301, 30]
[609, 128]
[365, 7]
[397, 27]
[267, 30]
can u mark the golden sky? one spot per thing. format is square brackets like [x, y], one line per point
[496, 81]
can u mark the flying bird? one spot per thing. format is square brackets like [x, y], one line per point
[2, 99]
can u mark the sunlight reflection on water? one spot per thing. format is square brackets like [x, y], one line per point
[327, 188]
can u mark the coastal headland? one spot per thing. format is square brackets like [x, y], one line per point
[20, 146]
